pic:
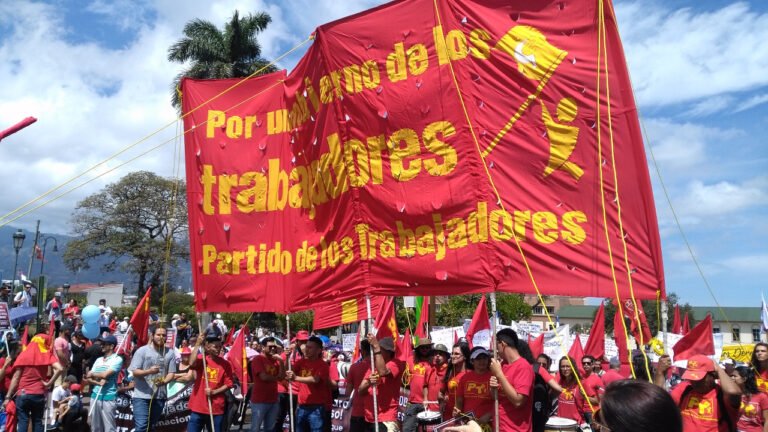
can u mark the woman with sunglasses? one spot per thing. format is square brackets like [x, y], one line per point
[754, 405]
[457, 367]
[570, 400]
[636, 406]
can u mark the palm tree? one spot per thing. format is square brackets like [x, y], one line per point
[213, 54]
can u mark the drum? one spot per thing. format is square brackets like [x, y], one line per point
[427, 419]
[555, 424]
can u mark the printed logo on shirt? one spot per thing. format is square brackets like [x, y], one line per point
[213, 374]
[271, 370]
[419, 369]
[567, 394]
[762, 384]
[699, 408]
[748, 409]
[476, 389]
[305, 373]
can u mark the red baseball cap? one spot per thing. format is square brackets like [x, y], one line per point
[698, 367]
[186, 351]
[75, 387]
[302, 335]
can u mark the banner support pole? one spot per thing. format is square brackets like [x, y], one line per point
[664, 313]
[205, 375]
[373, 362]
[493, 347]
[289, 366]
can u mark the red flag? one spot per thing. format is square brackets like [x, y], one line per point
[677, 326]
[405, 347]
[336, 313]
[596, 342]
[140, 319]
[536, 345]
[229, 336]
[51, 333]
[455, 337]
[698, 341]
[356, 355]
[386, 323]
[480, 327]
[38, 252]
[238, 358]
[421, 327]
[38, 353]
[686, 326]
[125, 347]
[577, 352]
[620, 337]
[25, 338]
[643, 334]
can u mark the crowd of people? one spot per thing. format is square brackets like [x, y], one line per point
[301, 373]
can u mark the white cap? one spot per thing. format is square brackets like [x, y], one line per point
[218, 316]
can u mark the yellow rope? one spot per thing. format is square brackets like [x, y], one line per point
[501, 204]
[177, 160]
[4, 220]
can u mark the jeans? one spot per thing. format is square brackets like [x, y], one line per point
[30, 407]
[264, 413]
[146, 412]
[200, 421]
[411, 421]
[284, 405]
[310, 418]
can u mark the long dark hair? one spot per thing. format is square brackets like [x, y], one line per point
[638, 406]
[467, 365]
[750, 382]
[755, 363]
[573, 367]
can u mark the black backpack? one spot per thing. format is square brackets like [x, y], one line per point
[542, 404]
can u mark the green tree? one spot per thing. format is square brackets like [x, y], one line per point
[130, 223]
[460, 307]
[213, 54]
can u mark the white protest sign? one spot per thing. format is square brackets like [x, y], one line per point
[348, 341]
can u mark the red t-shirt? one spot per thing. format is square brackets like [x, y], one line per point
[282, 386]
[751, 412]
[418, 373]
[219, 373]
[6, 382]
[475, 389]
[264, 391]
[317, 393]
[451, 389]
[388, 394]
[569, 402]
[700, 411]
[355, 377]
[592, 385]
[32, 378]
[762, 381]
[511, 418]
[612, 375]
[435, 384]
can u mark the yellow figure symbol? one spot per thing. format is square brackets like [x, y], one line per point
[562, 138]
[749, 410]
[705, 408]
[212, 374]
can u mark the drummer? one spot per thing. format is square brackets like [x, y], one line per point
[474, 391]
[436, 377]
[418, 367]
[570, 400]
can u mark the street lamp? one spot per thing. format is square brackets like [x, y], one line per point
[18, 242]
[45, 244]
[65, 288]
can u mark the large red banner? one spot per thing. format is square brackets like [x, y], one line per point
[374, 166]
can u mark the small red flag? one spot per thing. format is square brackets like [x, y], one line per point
[643, 333]
[125, 346]
[686, 325]
[698, 341]
[577, 352]
[38, 353]
[356, 355]
[229, 336]
[596, 342]
[480, 326]
[238, 358]
[140, 319]
[25, 338]
[405, 347]
[536, 345]
[51, 333]
[620, 337]
[455, 337]
[38, 252]
[386, 324]
[421, 327]
[677, 326]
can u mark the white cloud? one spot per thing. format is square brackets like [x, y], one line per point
[709, 106]
[748, 263]
[752, 102]
[691, 53]
[721, 198]
[682, 145]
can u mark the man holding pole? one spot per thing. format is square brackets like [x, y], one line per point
[385, 381]
[150, 366]
[213, 378]
[312, 374]
[103, 378]
[514, 379]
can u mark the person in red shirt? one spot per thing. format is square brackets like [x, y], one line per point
[211, 381]
[612, 374]
[385, 381]
[705, 405]
[760, 363]
[311, 373]
[753, 411]
[458, 366]
[593, 386]
[570, 400]
[295, 352]
[418, 369]
[266, 371]
[355, 377]
[436, 377]
[474, 392]
[515, 382]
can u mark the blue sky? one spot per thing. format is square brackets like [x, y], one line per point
[95, 74]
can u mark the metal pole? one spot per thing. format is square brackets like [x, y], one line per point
[205, 375]
[32, 255]
[493, 346]
[15, 274]
[373, 363]
[289, 366]
[664, 313]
